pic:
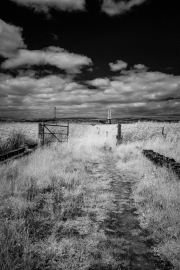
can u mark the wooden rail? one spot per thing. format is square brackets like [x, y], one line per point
[160, 160]
[15, 154]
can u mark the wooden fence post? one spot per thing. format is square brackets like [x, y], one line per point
[163, 134]
[39, 130]
[163, 131]
[43, 134]
[68, 130]
[118, 137]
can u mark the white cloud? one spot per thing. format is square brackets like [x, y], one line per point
[100, 82]
[68, 5]
[24, 96]
[71, 86]
[145, 93]
[110, 7]
[139, 66]
[58, 57]
[10, 39]
[118, 65]
[114, 8]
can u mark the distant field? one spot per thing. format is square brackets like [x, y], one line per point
[29, 129]
[76, 130]
[143, 131]
[137, 132]
[148, 135]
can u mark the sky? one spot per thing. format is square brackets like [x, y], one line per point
[85, 57]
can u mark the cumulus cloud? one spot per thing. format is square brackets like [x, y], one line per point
[149, 86]
[100, 82]
[10, 39]
[140, 66]
[28, 97]
[112, 7]
[135, 94]
[68, 5]
[54, 56]
[71, 86]
[118, 65]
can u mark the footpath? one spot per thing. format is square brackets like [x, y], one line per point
[126, 240]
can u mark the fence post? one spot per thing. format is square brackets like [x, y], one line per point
[163, 134]
[118, 137]
[163, 131]
[43, 134]
[68, 131]
[39, 130]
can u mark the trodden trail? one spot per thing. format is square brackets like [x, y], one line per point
[126, 241]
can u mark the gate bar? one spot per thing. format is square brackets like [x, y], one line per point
[52, 134]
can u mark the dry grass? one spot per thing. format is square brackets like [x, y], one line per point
[156, 190]
[30, 130]
[52, 207]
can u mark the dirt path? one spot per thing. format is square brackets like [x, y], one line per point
[126, 241]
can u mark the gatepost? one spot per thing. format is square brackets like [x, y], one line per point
[119, 136]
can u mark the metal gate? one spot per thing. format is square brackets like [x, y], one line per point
[53, 133]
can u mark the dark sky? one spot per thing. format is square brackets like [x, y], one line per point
[88, 56]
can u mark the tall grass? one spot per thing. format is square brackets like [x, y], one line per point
[52, 207]
[156, 190]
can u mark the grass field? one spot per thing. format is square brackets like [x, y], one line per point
[29, 129]
[156, 190]
[52, 207]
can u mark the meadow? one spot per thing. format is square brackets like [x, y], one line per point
[28, 129]
[156, 190]
[53, 206]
